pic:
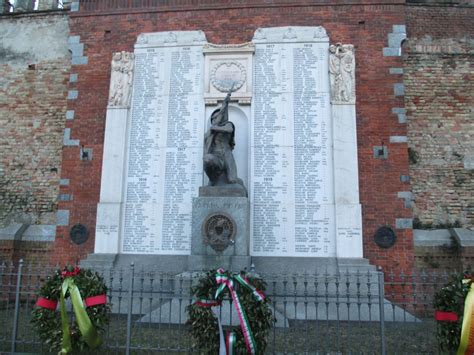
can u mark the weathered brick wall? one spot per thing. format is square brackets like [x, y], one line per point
[34, 68]
[365, 26]
[439, 80]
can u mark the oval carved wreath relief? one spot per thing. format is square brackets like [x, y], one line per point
[219, 231]
[226, 74]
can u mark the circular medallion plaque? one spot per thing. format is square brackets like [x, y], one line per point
[226, 74]
[79, 234]
[385, 237]
[219, 231]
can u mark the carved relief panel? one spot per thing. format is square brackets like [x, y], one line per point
[342, 73]
[227, 66]
[121, 79]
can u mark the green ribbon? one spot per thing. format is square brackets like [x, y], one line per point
[466, 344]
[88, 331]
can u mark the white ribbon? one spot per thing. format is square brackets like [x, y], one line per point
[216, 311]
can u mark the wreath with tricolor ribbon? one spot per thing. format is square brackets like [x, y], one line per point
[87, 293]
[245, 293]
[454, 305]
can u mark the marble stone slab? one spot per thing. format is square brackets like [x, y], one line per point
[165, 144]
[291, 190]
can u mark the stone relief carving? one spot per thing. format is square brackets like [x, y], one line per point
[290, 34]
[320, 32]
[342, 73]
[227, 74]
[121, 79]
[245, 45]
[198, 37]
[228, 65]
[172, 38]
[142, 39]
[219, 231]
[259, 34]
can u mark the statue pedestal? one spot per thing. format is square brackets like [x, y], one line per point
[220, 233]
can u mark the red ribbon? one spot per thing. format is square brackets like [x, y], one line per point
[205, 303]
[67, 273]
[446, 316]
[95, 300]
[45, 303]
[88, 302]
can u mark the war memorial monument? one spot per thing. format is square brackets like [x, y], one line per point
[231, 155]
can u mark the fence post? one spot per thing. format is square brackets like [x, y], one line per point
[17, 307]
[129, 313]
[381, 283]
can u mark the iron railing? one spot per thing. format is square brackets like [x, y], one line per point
[346, 313]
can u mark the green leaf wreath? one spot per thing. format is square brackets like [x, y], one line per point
[204, 326]
[47, 322]
[451, 299]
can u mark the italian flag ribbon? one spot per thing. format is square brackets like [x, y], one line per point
[466, 345]
[225, 280]
[230, 341]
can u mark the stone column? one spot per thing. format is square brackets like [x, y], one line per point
[47, 5]
[346, 174]
[113, 164]
[23, 5]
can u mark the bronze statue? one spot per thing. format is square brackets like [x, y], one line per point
[219, 163]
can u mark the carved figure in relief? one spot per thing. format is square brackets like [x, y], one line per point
[218, 160]
[341, 70]
[121, 79]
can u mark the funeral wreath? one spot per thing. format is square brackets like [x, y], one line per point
[87, 293]
[449, 304]
[250, 306]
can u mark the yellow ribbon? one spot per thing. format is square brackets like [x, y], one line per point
[466, 345]
[87, 329]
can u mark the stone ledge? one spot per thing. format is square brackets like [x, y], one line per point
[29, 233]
[465, 237]
[40, 233]
[440, 237]
[12, 231]
[231, 190]
[431, 238]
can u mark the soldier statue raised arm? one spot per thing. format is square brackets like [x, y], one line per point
[219, 142]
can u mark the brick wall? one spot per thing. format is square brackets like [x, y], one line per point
[365, 26]
[439, 80]
[34, 69]
[34, 252]
[438, 21]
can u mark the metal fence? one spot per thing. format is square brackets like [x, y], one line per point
[346, 313]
